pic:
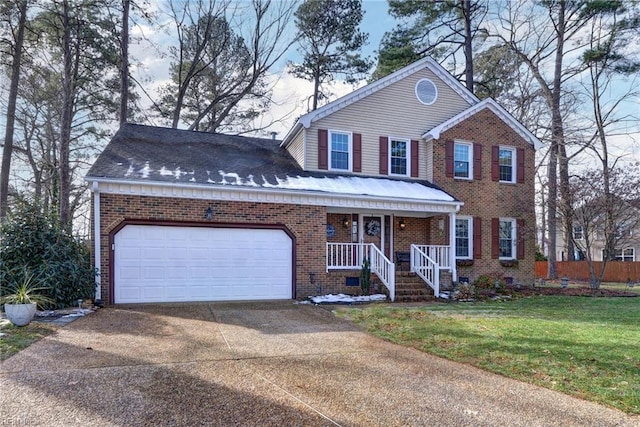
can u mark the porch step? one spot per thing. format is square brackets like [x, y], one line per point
[413, 289]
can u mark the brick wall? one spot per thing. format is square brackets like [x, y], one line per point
[307, 223]
[489, 199]
[416, 231]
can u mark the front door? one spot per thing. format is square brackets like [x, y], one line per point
[372, 230]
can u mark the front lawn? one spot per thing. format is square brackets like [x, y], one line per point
[14, 338]
[584, 346]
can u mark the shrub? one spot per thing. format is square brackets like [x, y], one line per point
[464, 291]
[33, 240]
[490, 282]
[365, 277]
[539, 255]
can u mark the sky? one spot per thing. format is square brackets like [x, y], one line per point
[289, 93]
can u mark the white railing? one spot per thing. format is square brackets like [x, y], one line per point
[440, 254]
[349, 256]
[426, 268]
[384, 269]
[345, 256]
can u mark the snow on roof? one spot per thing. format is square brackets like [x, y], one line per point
[378, 187]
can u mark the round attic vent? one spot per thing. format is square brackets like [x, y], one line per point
[426, 91]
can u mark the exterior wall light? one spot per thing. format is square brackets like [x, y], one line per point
[208, 213]
[345, 222]
[401, 224]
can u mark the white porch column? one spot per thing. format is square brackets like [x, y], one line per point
[96, 238]
[452, 246]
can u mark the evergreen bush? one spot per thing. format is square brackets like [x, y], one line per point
[34, 241]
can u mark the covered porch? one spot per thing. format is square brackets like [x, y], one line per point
[422, 243]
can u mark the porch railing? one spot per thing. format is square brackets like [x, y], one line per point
[345, 256]
[426, 268]
[349, 256]
[440, 254]
[384, 269]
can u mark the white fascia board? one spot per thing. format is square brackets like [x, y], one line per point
[262, 195]
[495, 108]
[297, 127]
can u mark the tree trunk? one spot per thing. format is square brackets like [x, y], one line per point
[558, 151]
[11, 109]
[468, 39]
[65, 125]
[552, 210]
[124, 62]
[316, 91]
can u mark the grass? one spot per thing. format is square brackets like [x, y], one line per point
[583, 346]
[14, 338]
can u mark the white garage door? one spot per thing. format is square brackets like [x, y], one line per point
[166, 264]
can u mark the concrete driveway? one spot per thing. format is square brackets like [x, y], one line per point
[259, 364]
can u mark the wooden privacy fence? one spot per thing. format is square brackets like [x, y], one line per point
[615, 271]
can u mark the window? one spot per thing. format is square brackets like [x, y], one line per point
[426, 91]
[398, 157]
[577, 232]
[462, 156]
[340, 150]
[507, 238]
[464, 235]
[627, 254]
[507, 163]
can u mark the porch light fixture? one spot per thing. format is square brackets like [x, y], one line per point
[401, 224]
[345, 222]
[208, 213]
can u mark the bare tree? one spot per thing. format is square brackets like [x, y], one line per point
[226, 49]
[543, 36]
[330, 42]
[607, 216]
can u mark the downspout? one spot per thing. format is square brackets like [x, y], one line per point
[96, 238]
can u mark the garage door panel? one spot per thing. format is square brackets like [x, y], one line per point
[168, 263]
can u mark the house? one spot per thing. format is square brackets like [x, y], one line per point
[412, 167]
[589, 238]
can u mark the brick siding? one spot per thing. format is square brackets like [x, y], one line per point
[307, 223]
[490, 199]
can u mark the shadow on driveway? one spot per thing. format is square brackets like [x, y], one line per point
[260, 364]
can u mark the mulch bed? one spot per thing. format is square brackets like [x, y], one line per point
[570, 291]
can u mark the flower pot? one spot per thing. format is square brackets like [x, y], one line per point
[20, 314]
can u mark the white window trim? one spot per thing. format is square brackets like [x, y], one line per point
[632, 249]
[435, 96]
[469, 220]
[514, 237]
[330, 164]
[408, 141]
[514, 163]
[573, 232]
[470, 145]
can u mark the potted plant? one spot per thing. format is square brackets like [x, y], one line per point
[21, 297]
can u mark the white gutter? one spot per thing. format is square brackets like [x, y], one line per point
[96, 238]
[262, 195]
